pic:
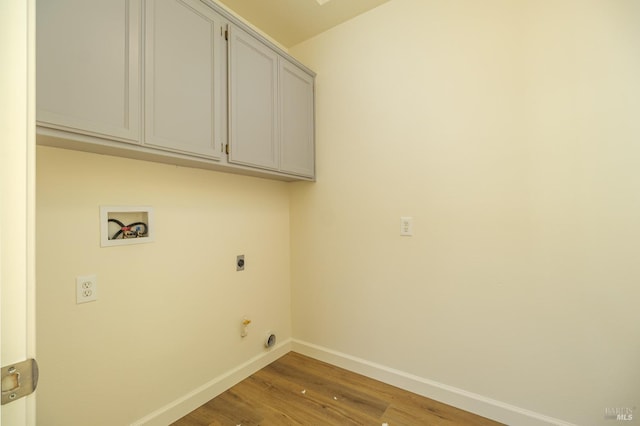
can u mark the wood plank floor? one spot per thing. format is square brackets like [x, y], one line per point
[297, 390]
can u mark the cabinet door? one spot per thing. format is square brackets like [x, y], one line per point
[253, 97]
[88, 67]
[183, 77]
[297, 152]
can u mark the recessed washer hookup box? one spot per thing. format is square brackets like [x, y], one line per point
[124, 225]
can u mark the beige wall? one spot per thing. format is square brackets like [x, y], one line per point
[168, 315]
[509, 131]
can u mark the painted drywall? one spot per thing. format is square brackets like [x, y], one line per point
[509, 131]
[168, 315]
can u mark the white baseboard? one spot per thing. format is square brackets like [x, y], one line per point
[468, 401]
[186, 404]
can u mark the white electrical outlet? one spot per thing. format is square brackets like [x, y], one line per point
[406, 226]
[86, 288]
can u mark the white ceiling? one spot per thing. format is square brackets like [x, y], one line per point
[290, 22]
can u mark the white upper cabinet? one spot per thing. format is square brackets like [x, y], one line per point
[174, 81]
[184, 77]
[297, 148]
[88, 67]
[253, 101]
[271, 115]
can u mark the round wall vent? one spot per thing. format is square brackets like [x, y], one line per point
[271, 341]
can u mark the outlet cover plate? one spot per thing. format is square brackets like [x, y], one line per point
[406, 226]
[86, 288]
